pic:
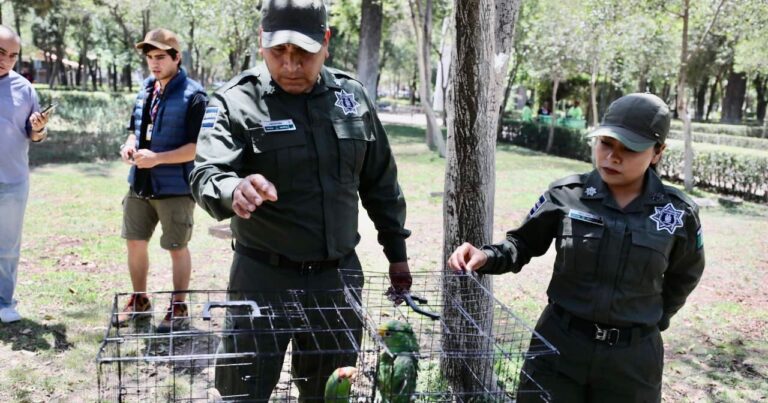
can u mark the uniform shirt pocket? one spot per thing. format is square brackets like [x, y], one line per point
[275, 155]
[353, 136]
[580, 245]
[648, 259]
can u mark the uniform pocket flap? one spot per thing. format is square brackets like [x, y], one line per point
[582, 229]
[263, 141]
[352, 129]
[658, 242]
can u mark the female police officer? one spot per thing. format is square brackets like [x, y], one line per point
[629, 251]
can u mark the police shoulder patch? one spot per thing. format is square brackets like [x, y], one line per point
[536, 207]
[209, 118]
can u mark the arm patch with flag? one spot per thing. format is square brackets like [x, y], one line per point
[209, 119]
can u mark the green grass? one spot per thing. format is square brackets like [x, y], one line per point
[73, 262]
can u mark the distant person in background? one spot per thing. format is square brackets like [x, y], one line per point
[527, 114]
[544, 109]
[20, 123]
[160, 148]
[26, 74]
[574, 112]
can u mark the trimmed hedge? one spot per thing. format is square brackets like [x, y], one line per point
[723, 139]
[741, 172]
[720, 128]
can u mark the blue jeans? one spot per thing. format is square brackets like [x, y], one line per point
[13, 201]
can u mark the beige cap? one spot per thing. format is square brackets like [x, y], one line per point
[160, 38]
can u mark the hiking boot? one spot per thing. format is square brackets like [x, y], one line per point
[138, 306]
[177, 318]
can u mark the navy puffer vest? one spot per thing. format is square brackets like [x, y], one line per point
[169, 132]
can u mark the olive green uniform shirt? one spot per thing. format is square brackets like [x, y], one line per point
[628, 266]
[320, 150]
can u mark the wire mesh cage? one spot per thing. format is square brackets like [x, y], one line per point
[284, 346]
[135, 363]
[470, 334]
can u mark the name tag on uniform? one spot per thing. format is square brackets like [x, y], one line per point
[586, 217]
[149, 132]
[275, 126]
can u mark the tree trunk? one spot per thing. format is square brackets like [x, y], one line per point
[593, 93]
[507, 92]
[17, 22]
[761, 82]
[422, 25]
[553, 116]
[733, 102]
[145, 24]
[193, 71]
[713, 94]
[484, 35]
[370, 43]
[682, 104]
[701, 98]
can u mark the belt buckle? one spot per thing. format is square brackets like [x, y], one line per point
[610, 336]
[308, 267]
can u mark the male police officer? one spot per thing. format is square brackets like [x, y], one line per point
[20, 123]
[160, 148]
[286, 148]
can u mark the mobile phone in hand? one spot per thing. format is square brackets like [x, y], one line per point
[49, 108]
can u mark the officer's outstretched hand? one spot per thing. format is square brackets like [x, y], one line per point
[400, 276]
[467, 258]
[251, 193]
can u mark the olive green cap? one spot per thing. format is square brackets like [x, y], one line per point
[638, 121]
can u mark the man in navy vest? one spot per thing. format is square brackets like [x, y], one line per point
[160, 148]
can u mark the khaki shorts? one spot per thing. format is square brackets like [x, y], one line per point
[176, 216]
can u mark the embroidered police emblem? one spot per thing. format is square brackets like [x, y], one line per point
[667, 218]
[591, 191]
[537, 206]
[346, 101]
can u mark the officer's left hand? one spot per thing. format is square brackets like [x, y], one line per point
[145, 158]
[38, 121]
[400, 276]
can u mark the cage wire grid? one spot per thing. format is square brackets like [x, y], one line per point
[484, 340]
[137, 364]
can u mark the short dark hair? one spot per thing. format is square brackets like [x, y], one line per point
[171, 52]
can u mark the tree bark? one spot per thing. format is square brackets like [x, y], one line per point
[593, 93]
[713, 94]
[733, 102]
[553, 115]
[701, 98]
[682, 104]
[761, 83]
[422, 25]
[370, 44]
[484, 36]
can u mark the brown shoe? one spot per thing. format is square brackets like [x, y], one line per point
[177, 318]
[138, 305]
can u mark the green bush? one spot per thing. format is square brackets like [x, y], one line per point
[569, 143]
[723, 139]
[729, 170]
[720, 128]
[743, 173]
[93, 112]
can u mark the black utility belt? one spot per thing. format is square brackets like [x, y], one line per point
[600, 332]
[281, 261]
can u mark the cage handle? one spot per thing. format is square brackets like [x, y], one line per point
[255, 311]
[411, 301]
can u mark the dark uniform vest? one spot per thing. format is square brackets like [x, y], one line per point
[169, 132]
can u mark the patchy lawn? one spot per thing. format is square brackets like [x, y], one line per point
[73, 262]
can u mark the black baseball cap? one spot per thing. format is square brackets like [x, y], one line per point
[637, 120]
[300, 22]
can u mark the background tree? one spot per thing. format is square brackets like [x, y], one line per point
[372, 15]
[484, 36]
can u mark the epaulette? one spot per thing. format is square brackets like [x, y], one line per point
[673, 191]
[343, 74]
[575, 179]
[251, 74]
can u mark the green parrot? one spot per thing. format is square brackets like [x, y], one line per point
[338, 386]
[398, 371]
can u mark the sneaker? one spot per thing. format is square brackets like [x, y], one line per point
[8, 315]
[177, 318]
[138, 305]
